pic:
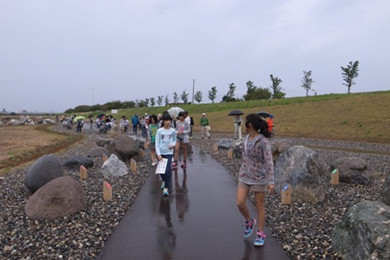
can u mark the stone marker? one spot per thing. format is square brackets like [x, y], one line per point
[133, 165]
[105, 158]
[83, 173]
[334, 177]
[286, 194]
[216, 147]
[230, 153]
[107, 191]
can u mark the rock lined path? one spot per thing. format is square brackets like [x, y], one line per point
[199, 220]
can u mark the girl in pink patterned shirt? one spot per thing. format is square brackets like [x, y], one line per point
[256, 174]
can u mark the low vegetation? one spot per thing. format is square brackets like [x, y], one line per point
[26, 143]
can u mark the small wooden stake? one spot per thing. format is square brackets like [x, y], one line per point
[230, 153]
[334, 177]
[107, 191]
[133, 165]
[83, 172]
[216, 147]
[105, 157]
[286, 194]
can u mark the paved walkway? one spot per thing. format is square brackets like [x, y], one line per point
[199, 220]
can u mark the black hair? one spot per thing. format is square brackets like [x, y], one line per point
[166, 117]
[182, 113]
[153, 117]
[258, 124]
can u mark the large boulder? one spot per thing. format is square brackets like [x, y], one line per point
[278, 147]
[103, 141]
[61, 197]
[352, 170]
[45, 169]
[67, 124]
[363, 232]
[76, 162]
[114, 167]
[386, 191]
[226, 144]
[13, 122]
[125, 147]
[97, 152]
[305, 171]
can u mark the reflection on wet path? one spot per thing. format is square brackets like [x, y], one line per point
[199, 219]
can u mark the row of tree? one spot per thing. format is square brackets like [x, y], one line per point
[275, 91]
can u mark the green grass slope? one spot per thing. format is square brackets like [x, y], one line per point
[357, 117]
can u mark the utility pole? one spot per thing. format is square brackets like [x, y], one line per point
[193, 90]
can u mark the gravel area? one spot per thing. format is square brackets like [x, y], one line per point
[80, 236]
[304, 230]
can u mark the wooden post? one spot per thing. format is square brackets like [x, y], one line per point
[230, 153]
[107, 191]
[133, 165]
[286, 194]
[216, 147]
[334, 177]
[105, 157]
[83, 173]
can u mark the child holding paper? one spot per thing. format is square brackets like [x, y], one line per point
[256, 174]
[165, 142]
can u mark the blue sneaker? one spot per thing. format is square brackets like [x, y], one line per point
[260, 239]
[249, 227]
[165, 192]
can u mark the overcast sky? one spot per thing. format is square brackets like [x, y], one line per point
[55, 55]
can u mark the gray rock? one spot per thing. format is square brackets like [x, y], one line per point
[61, 197]
[103, 141]
[45, 169]
[125, 147]
[76, 162]
[386, 191]
[352, 170]
[278, 147]
[363, 232]
[97, 152]
[226, 144]
[305, 171]
[67, 124]
[114, 167]
[13, 122]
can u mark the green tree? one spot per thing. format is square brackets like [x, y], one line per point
[198, 96]
[166, 100]
[349, 73]
[184, 96]
[254, 93]
[229, 97]
[160, 100]
[276, 88]
[213, 94]
[152, 101]
[128, 104]
[175, 97]
[307, 81]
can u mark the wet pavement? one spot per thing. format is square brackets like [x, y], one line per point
[199, 220]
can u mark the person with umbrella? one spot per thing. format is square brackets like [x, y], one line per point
[80, 123]
[237, 127]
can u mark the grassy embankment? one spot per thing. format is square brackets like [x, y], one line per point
[355, 117]
[22, 144]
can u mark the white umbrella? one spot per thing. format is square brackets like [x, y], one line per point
[174, 111]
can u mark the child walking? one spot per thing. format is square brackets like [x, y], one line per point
[182, 131]
[255, 175]
[153, 127]
[165, 142]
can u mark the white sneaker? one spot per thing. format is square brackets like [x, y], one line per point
[154, 163]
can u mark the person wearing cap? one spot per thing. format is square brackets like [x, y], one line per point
[205, 126]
